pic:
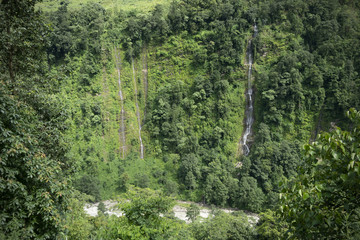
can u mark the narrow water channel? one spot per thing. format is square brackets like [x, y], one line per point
[249, 112]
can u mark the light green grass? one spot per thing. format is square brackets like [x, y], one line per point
[125, 5]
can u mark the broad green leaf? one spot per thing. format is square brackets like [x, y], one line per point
[305, 196]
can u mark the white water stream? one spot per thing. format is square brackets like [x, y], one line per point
[137, 111]
[249, 112]
[145, 74]
[122, 113]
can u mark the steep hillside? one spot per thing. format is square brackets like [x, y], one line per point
[219, 102]
[141, 81]
[158, 98]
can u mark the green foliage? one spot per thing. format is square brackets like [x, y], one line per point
[303, 70]
[76, 31]
[34, 183]
[192, 212]
[145, 206]
[224, 226]
[250, 195]
[142, 218]
[23, 36]
[322, 202]
[171, 188]
[142, 180]
[101, 208]
[123, 182]
[189, 170]
[114, 6]
[77, 223]
[270, 226]
[34, 167]
[188, 64]
[88, 185]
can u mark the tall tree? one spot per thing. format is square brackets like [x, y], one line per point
[322, 202]
[22, 36]
[33, 166]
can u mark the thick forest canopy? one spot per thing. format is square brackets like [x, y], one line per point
[322, 202]
[33, 181]
[108, 99]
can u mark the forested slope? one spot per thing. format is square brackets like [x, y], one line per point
[181, 91]
[306, 79]
[182, 73]
[120, 96]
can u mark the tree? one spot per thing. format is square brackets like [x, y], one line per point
[23, 35]
[224, 226]
[89, 185]
[189, 170]
[77, 221]
[34, 169]
[192, 212]
[322, 202]
[251, 197]
[123, 182]
[158, 25]
[61, 37]
[270, 226]
[102, 209]
[145, 207]
[216, 192]
[142, 218]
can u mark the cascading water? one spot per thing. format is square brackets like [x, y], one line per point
[249, 112]
[137, 111]
[145, 74]
[122, 113]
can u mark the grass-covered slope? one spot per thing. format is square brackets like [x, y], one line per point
[109, 5]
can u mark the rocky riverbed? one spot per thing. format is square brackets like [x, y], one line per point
[179, 210]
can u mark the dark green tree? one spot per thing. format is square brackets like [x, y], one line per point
[34, 169]
[270, 226]
[142, 218]
[224, 226]
[322, 202]
[192, 212]
[89, 185]
[251, 197]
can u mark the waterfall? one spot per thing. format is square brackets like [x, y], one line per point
[145, 75]
[137, 111]
[122, 112]
[249, 112]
